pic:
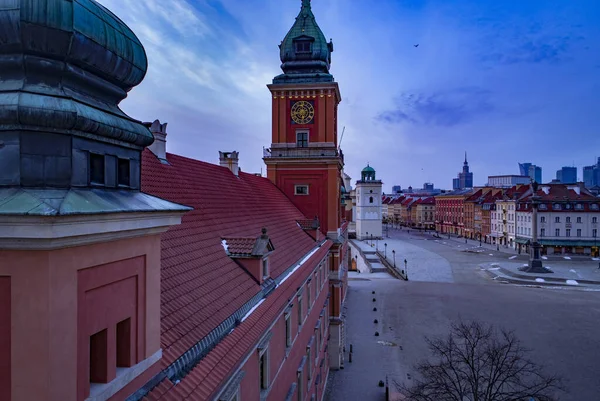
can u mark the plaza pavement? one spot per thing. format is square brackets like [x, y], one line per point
[560, 326]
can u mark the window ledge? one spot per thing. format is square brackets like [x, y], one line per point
[103, 391]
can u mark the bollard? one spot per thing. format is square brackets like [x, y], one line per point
[376, 334]
[350, 348]
[374, 309]
[374, 300]
[375, 321]
[350, 357]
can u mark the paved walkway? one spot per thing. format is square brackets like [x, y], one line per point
[422, 265]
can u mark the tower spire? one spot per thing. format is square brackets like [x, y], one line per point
[305, 3]
[466, 157]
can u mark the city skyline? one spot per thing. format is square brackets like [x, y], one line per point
[513, 76]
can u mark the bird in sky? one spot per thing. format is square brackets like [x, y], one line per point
[417, 45]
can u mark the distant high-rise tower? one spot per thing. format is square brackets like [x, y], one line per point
[531, 170]
[465, 178]
[591, 175]
[524, 168]
[567, 175]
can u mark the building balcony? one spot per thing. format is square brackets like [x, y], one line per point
[302, 153]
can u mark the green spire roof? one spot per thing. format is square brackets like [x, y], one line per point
[305, 53]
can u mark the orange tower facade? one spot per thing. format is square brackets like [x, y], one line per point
[305, 160]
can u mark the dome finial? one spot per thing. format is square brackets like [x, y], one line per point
[305, 3]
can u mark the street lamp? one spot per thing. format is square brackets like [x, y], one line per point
[367, 238]
[371, 239]
[394, 253]
[406, 268]
[385, 250]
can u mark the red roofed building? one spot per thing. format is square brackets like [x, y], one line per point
[568, 220]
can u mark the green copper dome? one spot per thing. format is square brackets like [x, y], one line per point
[367, 173]
[305, 53]
[64, 67]
[368, 169]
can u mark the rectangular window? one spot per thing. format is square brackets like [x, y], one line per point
[579, 232]
[303, 47]
[557, 219]
[300, 315]
[579, 219]
[542, 219]
[594, 233]
[543, 232]
[264, 369]
[594, 219]
[99, 357]
[308, 300]
[123, 172]
[568, 220]
[265, 268]
[557, 232]
[96, 169]
[299, 386]
[301, 189]
[568, 234]
[302, 139]
[124, 348]
[309, 362]
[288, 330]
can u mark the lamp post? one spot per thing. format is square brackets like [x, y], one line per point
[535, 262]
[406, 268]
[371, 239]
[394, 253]
[385, 250]
[367, 238]
[479, 239]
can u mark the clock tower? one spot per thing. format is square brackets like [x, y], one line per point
[304, 160]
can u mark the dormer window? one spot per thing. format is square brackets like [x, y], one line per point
[265, 267]
[303, 46]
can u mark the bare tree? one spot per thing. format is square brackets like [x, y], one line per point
[477, 362]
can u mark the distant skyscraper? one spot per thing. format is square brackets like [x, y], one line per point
[531, 170]
[535, 172]
[456, 183]
[428, 186]
[396, 189]
[567, 175]
[524, 168]
[591, 175]
[466, 177]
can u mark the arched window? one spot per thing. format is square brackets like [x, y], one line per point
[371, 199]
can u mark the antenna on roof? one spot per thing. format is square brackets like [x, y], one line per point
[342, 137]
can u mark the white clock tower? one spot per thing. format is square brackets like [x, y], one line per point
[368, 205]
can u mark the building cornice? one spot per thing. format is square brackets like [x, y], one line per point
[55, 232]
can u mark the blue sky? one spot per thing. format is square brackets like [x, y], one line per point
[507, 81]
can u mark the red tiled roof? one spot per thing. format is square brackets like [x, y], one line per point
[428, 201]
[240, 246]
[204, 380]
[200, 285]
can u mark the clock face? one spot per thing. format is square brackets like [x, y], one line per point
[303, 112]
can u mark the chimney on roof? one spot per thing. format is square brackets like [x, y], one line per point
[159, 146]
[231, 161]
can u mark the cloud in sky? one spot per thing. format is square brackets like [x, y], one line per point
[507, 81]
